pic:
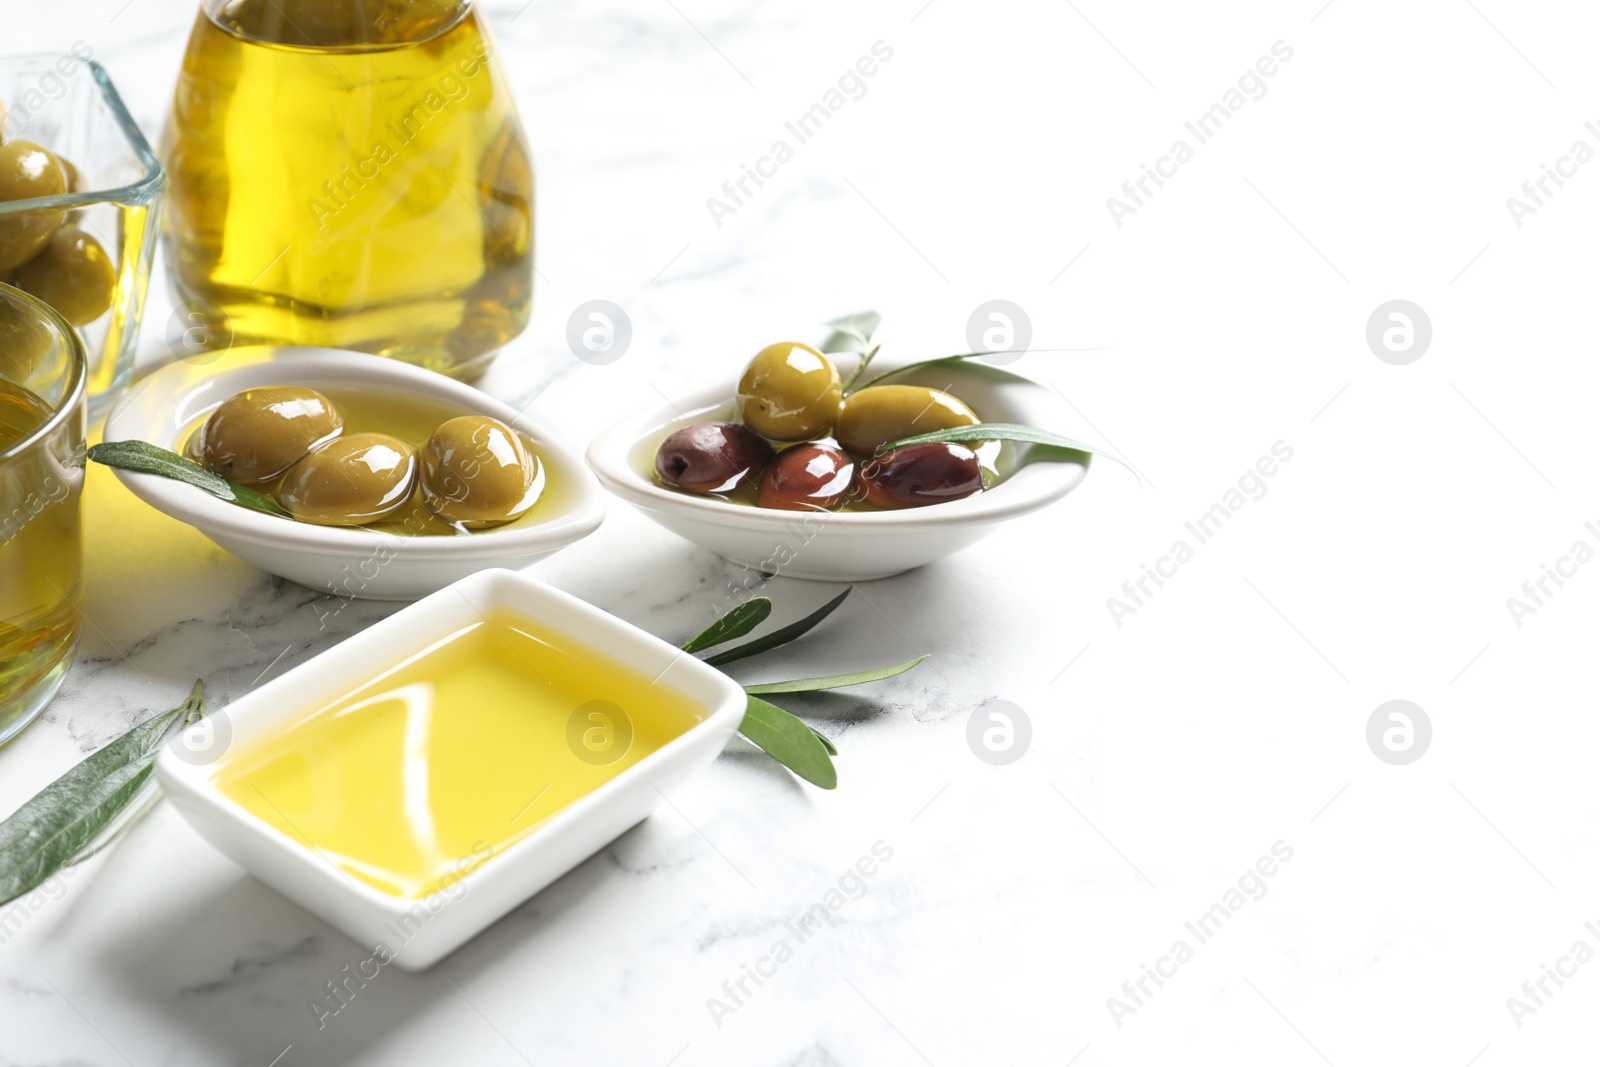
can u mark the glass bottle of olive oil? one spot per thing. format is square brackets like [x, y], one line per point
[349, 173]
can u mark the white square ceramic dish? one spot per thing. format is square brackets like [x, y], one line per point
[419, 933]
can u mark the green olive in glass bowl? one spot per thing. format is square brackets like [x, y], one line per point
[72, 273]
[82, 162]
[28, 172]
[27, 342]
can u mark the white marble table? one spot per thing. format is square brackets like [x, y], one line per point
[1207, 722]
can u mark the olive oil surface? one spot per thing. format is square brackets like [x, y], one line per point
[456, 751]
[21, 412]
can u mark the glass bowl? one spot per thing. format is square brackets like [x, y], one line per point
[67, 105]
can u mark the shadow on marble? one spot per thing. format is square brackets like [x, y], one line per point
[749, 759]
[242, 970]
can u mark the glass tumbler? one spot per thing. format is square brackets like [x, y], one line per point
[43, 378]
[102, 235]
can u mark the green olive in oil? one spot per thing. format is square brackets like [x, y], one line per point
[412, 421]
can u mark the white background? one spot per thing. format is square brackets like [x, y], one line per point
[1227, 714]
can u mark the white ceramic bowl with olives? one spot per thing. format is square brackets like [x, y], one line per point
[806, 522]
[366, 456]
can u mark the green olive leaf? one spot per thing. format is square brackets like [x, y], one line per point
[247, 497]
[789, 741]
[146, 458]
[866, 361]
[735, 623]
[781, 636]
[945, 359]
[853, 334]
[827, 744]
[834, 681]
[51, 830]
[859, 327]
[1075, 451]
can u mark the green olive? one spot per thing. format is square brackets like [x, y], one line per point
[790, 392]
[350, 480]
[75, 184]
[477, 472]
[25, 341]
[72, 274]
[73, 175]
[256, 435]
[880, 414]
[28, 171]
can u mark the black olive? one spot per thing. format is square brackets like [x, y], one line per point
[712, 457]
[918, 475]
[807, 477]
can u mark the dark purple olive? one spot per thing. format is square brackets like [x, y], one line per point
[712, 457]
[916, 475]
[807, 477]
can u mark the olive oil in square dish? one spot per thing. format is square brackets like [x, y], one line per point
[419, 780]
[398, 784]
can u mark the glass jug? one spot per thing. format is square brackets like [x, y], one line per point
[348, 173]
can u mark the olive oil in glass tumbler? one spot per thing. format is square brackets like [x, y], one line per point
[353, 174]
[43, 376]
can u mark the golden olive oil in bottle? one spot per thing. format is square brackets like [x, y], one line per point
[350, 173]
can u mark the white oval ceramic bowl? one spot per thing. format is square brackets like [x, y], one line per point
[419, 933]
[844, 546]
[347, 562]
